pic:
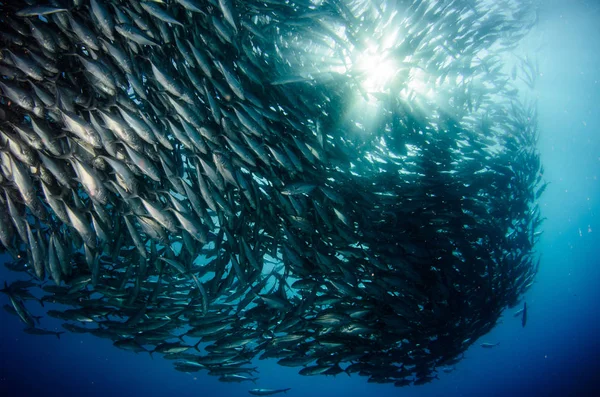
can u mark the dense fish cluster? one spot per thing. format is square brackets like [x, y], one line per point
[342, 185]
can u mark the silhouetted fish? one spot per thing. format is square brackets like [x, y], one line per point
[257, 177]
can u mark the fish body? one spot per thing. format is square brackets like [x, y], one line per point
[486, 345]
[41, 331]
[22, 312]
[35, 11]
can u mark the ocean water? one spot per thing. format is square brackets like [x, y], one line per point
[556, 354]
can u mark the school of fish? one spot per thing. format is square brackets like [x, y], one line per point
[215, 181]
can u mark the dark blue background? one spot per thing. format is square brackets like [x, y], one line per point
[555, 355]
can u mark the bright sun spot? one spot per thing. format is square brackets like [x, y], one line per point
[376, 69]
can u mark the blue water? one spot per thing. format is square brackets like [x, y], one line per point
[556, 354]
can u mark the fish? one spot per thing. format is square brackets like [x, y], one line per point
[267, 392]
[38, 10]
[156, 11]
[21, 311]
[218, 181]
[487, 345]
[524, 318]
[236, 378]
[424, 379]
[518, 312]
[40, 331]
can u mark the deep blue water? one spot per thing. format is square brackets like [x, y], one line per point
[556, 354]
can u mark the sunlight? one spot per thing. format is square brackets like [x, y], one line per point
[416, 82]
[419, 84]
[377, 69]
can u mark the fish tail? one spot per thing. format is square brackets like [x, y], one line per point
[197, 344]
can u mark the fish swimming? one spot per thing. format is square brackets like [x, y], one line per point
[230, 172]
[486, 345]
[40, 331]
[267, 392]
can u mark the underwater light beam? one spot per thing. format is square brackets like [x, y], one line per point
[378, 70]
